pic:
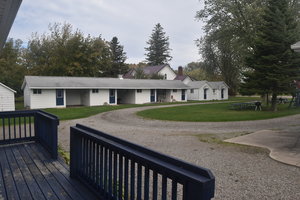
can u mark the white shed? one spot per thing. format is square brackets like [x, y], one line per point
[200, 91]
[7, 98]
[204, 90]
[219, 90]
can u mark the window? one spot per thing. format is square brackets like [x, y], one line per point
[192, 91]
[214, 91]
[95, 91]
[174, 90]
[111, 92]
[165, 76]
[37, 91]
[139, 91]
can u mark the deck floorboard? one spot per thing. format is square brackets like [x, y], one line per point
[27, 171]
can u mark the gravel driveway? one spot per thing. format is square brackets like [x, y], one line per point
[241, 172]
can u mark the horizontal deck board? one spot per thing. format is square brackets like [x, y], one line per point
[27, 171]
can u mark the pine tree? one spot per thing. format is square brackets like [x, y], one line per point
[118, 58]
[158, 51]
[272, 64]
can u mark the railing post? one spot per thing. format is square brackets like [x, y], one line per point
[54, 146]
[196, 191]
[74, 149]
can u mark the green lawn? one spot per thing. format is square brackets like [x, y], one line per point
[82, 112]
[86, 111]
[214, 113]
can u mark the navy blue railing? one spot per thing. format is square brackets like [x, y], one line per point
[117, 169]
[32, 125]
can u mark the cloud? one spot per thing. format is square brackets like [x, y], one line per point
[131, 21]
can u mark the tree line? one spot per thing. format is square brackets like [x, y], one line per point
[248, 43]
[63, 51]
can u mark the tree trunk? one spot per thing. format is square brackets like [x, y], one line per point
[274, 102]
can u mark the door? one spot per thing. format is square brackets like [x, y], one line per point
[59, 97]
[222, 94]
[112, 96]
[183, 95]
[205, 93]
[152, 96]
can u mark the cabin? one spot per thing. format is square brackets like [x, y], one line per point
[7, 98]
[204, 90]
[163, 70]
[60, 92]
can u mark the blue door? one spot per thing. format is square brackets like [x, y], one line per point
[152, 96]
[112, 96]
[59, 97]
[182, 95]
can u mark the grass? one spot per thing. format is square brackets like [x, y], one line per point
[65, 155]
[214, 113]
[219, 140]
[82, 112]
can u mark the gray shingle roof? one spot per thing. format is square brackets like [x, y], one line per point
[52, 82]
[217, 84]
[149, 70]
[197, 84]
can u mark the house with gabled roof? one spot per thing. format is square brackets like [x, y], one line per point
[7, 98]
[59, 92]
[205, 90]
[163, 70]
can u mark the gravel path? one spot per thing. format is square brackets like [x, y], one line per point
[241, 172]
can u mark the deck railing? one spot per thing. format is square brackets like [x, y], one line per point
[117, 169]
[31, 125]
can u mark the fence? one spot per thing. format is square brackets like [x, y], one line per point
[32, 125]
[117, 169]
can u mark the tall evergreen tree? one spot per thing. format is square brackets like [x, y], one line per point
[273, 63]
[118, 58]
[158, 51]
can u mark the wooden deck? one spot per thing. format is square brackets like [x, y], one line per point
[28, 172]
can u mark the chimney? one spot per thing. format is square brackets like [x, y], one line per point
[180, 71]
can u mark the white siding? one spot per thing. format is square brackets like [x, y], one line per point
[85, 98]
[7, 99]
[187, 80]
[100, 98]
[169, 72]
[176, 95]
[193, 96]
[225, 93]
[143, 97]
[198, 94]
[45, 100]
[26, 97]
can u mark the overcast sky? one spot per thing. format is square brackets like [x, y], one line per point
[132, 21]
